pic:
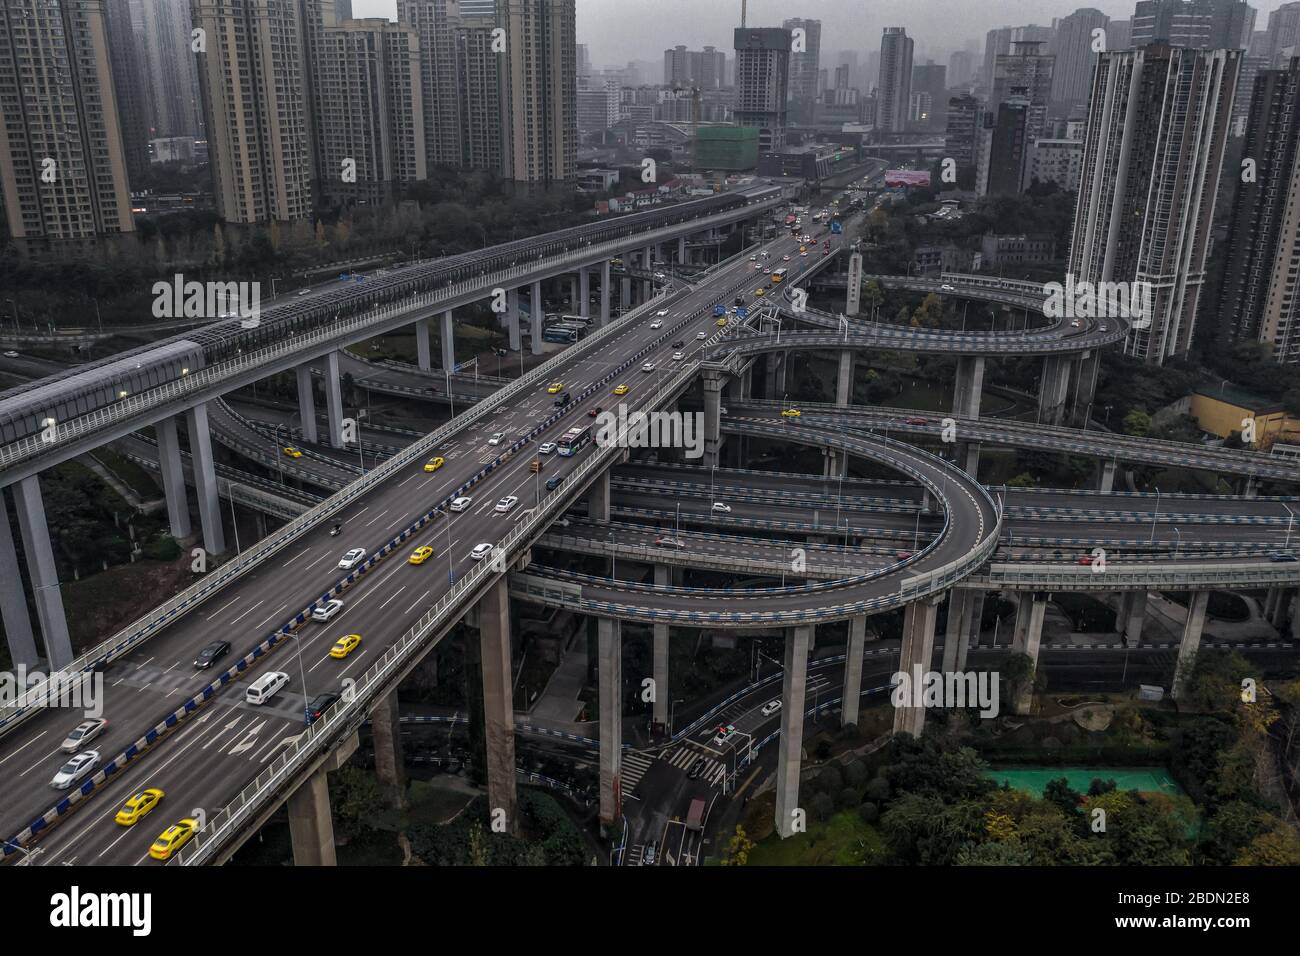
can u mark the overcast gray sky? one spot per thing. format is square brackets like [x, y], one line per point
[620, 30]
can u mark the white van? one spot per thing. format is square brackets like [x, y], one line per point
[266, 687]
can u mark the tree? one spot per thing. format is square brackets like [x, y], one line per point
[738, 849]
[1137, 422]
[1279, 846]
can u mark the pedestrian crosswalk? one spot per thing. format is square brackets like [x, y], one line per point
[634, 767]
[685, 758]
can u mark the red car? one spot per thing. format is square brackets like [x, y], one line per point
[918, 421]
[1086, 560]
[594, 412]
[903, 555]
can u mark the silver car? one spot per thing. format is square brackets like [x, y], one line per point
[82, 734]
[75, 770]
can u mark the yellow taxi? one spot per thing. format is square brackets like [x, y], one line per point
[791, 413]
[759, 292]
[420, 555]
[433, 464]
[292, 452]
[722, 322]
[621, 390]
[803, 248]
[345, 645]
[555, 388]
[137, 806]
[173, 838]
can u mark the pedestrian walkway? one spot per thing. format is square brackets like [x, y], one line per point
[686, 757]
[635, 765]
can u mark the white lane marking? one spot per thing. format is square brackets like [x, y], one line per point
[295, 557]
[246, 613]
[375, 518]
[394, 597]
[234, 600]
[38, 737]
[317, 561]
[417, 601]
[262, 622]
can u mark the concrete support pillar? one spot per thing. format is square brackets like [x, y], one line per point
[448, 342]
[573, 293]
[1191, 641]
[1281, 607]
[386, 737]
[835, 463]
[957, 628]
[1250, 490]
[598, 498]
[584, 292]
[969, 386]
[659, 667]
[1106, 476]
[306, 403]
[976, 619]
[422, 358]
[1020, 626]
[205, 479]
[498, 701]
[610, 667]
[681, 251]
[970, 452]
[853, 300]
[712, 418]
[1052, 390]
[1133, 610]
[311, 828]
[852, 694]
[512, 320]
[13, 602]
[625, 293]
[1033, 637]
[794, 687]
[647, 258]
[914, 661]
[333, 400]
[844, 379]
[536, 315]
[604, 293]
[173, 475]
[1083, 389]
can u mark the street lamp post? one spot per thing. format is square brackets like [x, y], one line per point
[1155, 517]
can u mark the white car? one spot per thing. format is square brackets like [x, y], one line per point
[352, 559]
[75, 770]
[11, 354]
[327, 611]
[546, 448]
[506, 503]
[785, 258]
[770, 708]
[82, 734]
[1105, 328]
[723, 734]
[722, 507]
[701, 335]
[461, 503]
[753, 258]
[803, 255]
[497, 438]
[946, 288]
[1074, 323]
[304, 291]
[481, 551]
[678, 356]
[656, 325]
[648, 367]
[661, 313]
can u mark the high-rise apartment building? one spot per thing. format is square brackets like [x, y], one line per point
[1119, 34]
[173, 81]
[961, 67]
[435, 23]
[685, 68]
[1203, 24]
[677, 67]
[539, 101]
[1260, 296]
[256, 102]
[478, 78]
[1158, 120]
[1075, 57]
[805, 66]
[371, 125]
[894, 92]
[762, 82]
[961, 135]
[129, 86]
[998, 43]
[931, 80]
[1283, 34]
[63, 172]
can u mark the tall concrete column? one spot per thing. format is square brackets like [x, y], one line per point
[914, 661]
[1191, 641]
[306, 403]
[625, 293]
[853, 301]
[794, 688]
[205, 479]
[334, 400]
[969, 386]
[13, 602]
[422, 358]
[1083, 391]
[512, 319]
[844, 380]
[173, 475]
[573, 292]
[1251, 487]
[852, 694]
[604, 293]
[972, 637]
[659, 667]
[609, 652]
[536, 313]
[448, 342]
[598, 498]
[386, 737]
[1106, 476]
[835, 463]
[1052, 390]
[1033, 637]
[1281, 607]
[957, 628]
[311, 828]
[1020, 626]
[1133, 611]
[681, 251]
[584, 292]
[498, 701]
[712, 417]
[970, 451]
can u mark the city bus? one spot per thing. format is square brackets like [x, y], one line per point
[789, 220]
[573, 439]
[779, 275]
[557, 334]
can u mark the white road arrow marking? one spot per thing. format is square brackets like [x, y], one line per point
[250, 738]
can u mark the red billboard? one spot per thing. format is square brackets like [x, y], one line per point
[907, 177]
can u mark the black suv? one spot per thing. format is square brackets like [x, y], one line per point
[562, 400]
[319, 704]
[678, 345]
[211, 654]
